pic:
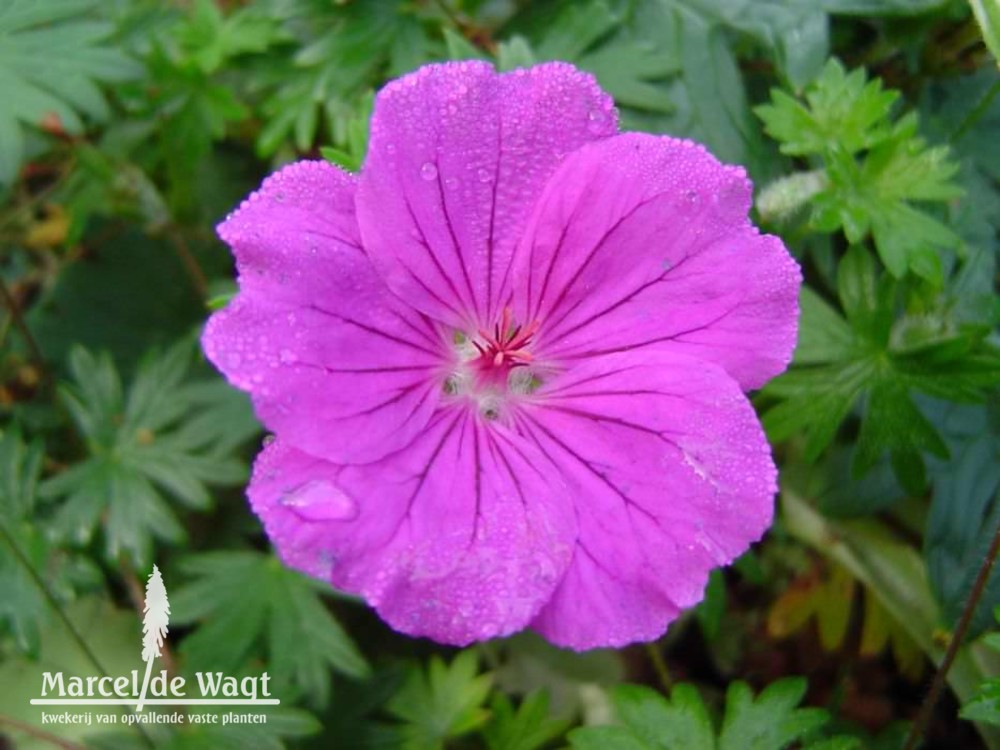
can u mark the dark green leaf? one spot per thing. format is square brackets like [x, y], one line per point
[965, 510]
[246, 601]
[153, 441]
[38, 84]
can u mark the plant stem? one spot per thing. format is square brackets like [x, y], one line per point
[660, 667]
[18, 320]
[70, 627]
[41, 734]
[977, 112]
[51, 599]
[978, 587]
[187, 258]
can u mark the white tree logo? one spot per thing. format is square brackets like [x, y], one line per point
[156, 615]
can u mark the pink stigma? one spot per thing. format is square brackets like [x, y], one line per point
[506, 348]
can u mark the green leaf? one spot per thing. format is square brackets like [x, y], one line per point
[716, 110]
[874, 168]
[683, 721]
[112, 636]
[576, 29]
[515, 53]
[877, 363]
[893, 423]
[868, 302]
[965, 510]
[794, 31]
[986, 705]
[247, 602]
[772, 721]
[824, 336]
[343, 50]
[529, 727]
[606, 738]
[152, 442]
[25, 541]
[987, 14]
[629, 62]
[843, 109]
[209, 39]
[882, 7]
[667, 64]
[816, 401]
[20, 465]
[443, 702]
[356, 144]
[38, 84]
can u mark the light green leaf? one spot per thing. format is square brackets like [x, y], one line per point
[529, 727]
[442, 703]
[843, 109]
[987, 14]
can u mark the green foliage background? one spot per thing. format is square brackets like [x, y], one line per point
[128, 128]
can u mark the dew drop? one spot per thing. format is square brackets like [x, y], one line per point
[689, 201]
[485, 176]
[320, 500]
[596, 121]
[428, 171]
[731, 198]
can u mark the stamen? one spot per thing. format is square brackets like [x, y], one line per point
[506, 348]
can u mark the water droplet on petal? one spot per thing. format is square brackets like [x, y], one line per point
[428, 171]
[485, 176]
[688, 201]
[596, 121]
[320, 500]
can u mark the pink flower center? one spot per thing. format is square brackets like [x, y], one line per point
[504, 350]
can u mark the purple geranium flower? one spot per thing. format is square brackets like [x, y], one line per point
[505, 363]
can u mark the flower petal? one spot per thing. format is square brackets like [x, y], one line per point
[335, 363]
[457, 156]
[673, 476]
[461, 536]
[641, 241]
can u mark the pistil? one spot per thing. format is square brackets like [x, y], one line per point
[505, 349]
